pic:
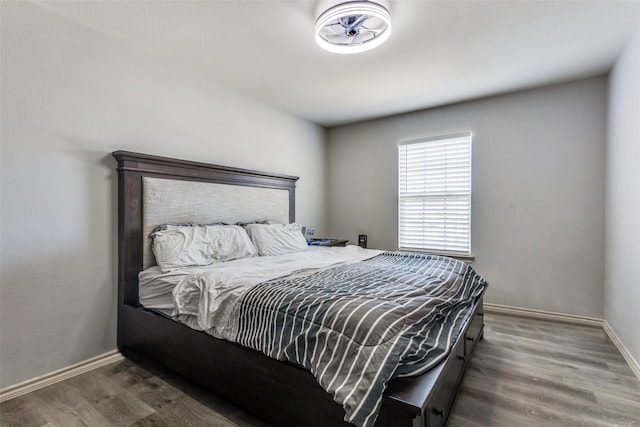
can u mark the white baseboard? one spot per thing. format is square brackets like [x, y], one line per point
[59, 375]
[631, 361]
[540, 314]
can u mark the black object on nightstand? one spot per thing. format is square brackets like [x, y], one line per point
[327, 242]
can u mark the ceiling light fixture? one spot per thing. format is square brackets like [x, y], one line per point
[353, 27]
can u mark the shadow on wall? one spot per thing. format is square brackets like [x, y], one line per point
[102, 220]
[59, 290]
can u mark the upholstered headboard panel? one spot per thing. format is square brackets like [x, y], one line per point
[178, 191]
[170, 201]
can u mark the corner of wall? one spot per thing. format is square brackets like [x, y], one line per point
[621, 284]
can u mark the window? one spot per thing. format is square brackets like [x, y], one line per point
[434, 206]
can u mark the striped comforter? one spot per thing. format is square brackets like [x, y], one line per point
[357, 326]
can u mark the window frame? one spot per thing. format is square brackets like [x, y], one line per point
[466, 255]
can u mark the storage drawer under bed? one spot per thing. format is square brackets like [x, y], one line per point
[474, 333]
[443, 399]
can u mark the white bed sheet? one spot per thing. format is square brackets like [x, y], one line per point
[155, 288]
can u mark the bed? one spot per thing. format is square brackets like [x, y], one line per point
[155, 190]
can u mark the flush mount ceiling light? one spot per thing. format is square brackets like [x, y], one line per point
[353, 27]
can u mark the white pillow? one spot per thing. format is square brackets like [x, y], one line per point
[277, 239]
[186, 246]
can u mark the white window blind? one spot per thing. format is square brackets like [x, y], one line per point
[435, 194]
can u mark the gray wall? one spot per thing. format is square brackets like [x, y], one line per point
[70, 96]
[622, 279]
[538, 189]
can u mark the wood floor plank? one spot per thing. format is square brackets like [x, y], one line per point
[574, 374]
[156, 393]
[21, 411]
[94, 388]
[124, 409]
[495, 378]
[525, 372]
[523, 411]
[189, 413]
[563, 403]
[153, 420]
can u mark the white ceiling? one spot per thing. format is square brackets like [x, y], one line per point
[440, 52]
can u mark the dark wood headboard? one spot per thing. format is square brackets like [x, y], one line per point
[133, 167]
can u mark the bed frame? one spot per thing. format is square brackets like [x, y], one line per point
[280, 393]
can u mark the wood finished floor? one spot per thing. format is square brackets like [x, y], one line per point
[524, 373]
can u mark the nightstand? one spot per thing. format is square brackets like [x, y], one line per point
[327, 242]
